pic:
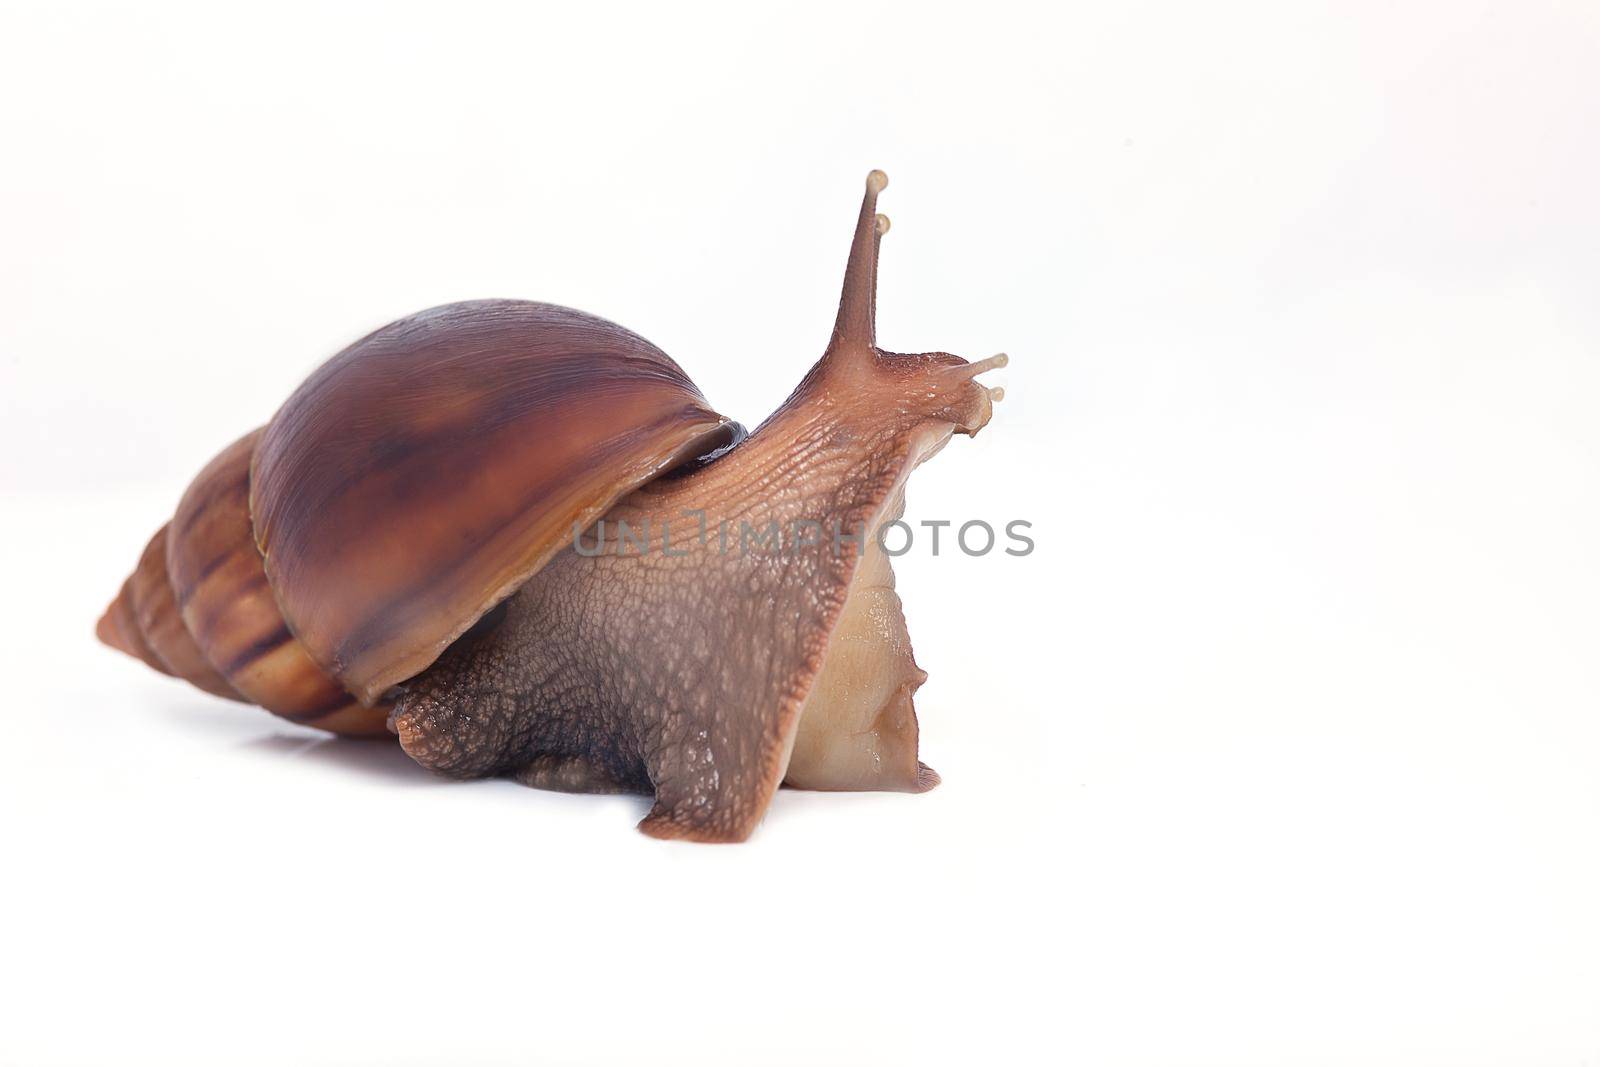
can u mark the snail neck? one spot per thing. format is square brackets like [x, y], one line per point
[830, 453]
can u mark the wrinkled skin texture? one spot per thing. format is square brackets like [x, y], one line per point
[678, 662]
[684, 674]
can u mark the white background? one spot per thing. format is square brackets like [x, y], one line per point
[1282, 748]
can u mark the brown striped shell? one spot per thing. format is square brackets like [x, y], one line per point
[225, 602]
[410, 484]
[157, 608]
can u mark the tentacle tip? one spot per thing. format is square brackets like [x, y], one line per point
[997, 394]
[882, 224]
[972, 370]
[877, 181]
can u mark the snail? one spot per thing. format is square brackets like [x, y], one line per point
[417, 544]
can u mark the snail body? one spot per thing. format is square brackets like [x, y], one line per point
[410, 513]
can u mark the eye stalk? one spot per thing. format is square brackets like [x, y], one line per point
[854, 342]
[855, 330]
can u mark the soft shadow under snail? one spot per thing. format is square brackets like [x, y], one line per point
[395, 551]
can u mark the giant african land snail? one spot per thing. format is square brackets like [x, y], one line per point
[395, 551]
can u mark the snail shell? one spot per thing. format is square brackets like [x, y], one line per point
[407, 487]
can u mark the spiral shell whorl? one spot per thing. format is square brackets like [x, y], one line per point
[156, 611]
[199, 607]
